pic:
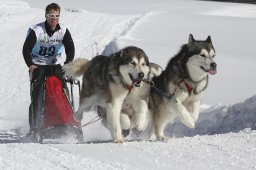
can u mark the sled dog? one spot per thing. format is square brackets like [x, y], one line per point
[181, 86]
[107, 80]
[135, 106]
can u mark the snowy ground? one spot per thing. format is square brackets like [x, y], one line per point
[225, 134]
[228, 151]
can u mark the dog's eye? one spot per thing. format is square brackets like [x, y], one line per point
[203, 55]
[143, 64]
[213, 56]
[133, 63]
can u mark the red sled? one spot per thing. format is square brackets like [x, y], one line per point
[58, 112]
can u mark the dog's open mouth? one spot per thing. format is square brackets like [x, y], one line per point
[135, 82]
[212, 71]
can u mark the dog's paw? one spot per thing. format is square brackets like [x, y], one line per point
[78, 117]
[118, 138]
[119, 141]
[141, 124]
[152, 137]
[189, 122]
[162, 138]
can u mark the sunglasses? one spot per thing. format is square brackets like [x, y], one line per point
[52, 16]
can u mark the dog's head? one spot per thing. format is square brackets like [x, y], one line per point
[133, 65]
[202, 54]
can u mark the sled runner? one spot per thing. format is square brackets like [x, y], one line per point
[55, 119]
[9, 136]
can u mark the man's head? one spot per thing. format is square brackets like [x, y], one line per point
[52, 14]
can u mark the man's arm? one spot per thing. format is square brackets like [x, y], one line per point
[69, 46]
[27, 48]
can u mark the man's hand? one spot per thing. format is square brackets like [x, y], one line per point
[32, 68]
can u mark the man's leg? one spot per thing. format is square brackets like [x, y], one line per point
[37, 84]
[30, 120]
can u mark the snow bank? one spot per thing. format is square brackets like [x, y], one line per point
[219, 120]
[243, 10]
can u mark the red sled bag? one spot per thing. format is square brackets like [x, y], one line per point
[58, 110]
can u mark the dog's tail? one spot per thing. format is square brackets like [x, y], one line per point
[75, 68]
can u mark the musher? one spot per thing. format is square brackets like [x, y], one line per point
[42, 51]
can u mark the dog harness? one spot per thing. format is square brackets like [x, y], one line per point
[188, 87]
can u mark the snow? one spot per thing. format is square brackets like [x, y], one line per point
[225, 134]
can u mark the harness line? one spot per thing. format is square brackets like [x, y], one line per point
[97, 118]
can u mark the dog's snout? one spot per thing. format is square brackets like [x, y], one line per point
[213, 65]
[140, 75]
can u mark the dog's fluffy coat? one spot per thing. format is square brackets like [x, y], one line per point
[107, 81]
[181, 86]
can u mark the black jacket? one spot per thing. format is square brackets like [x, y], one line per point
[31, 40]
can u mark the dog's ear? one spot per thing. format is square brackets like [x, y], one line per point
[155, 70]
[122, 52]
[191, 39]
[208, 39]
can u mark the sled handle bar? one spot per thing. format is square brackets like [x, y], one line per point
[71, 82]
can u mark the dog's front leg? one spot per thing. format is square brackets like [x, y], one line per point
[160, 117]
[140, 117]
[182, 112]
[194, 109]
[113, 117]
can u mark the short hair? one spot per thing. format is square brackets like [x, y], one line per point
[51, 6]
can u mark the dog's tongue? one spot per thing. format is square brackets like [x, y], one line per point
[136, 83]
[212, 71]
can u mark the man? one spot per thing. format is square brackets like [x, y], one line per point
[42, 51]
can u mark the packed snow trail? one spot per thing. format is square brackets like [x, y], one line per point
[228, 151]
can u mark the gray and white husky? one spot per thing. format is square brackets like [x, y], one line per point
[107, 81]
[180, 88]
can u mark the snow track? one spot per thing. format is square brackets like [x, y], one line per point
[199, 152]
[37, 156]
